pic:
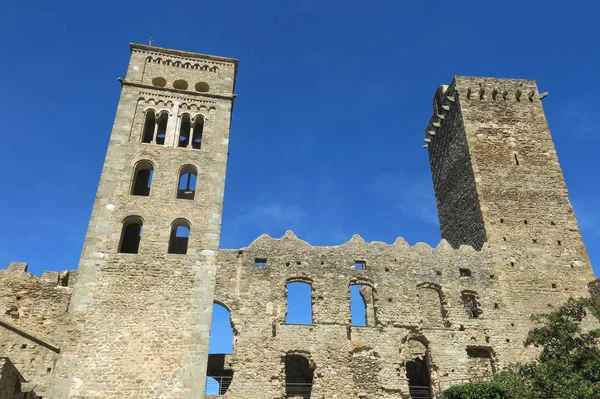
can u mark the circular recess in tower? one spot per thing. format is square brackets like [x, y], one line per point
[202, 87]
[160, 82]
[180, 84]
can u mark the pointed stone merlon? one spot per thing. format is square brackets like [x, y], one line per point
[17, 267]
[443, 102]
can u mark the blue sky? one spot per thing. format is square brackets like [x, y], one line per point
[328, 127]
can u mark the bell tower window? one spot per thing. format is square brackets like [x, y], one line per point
[187, 182]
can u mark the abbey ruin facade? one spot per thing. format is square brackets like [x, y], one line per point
[133, 321]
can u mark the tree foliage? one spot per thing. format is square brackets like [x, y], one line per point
[568, 366]
[477, 390]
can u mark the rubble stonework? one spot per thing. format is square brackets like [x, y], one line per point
[134, 320]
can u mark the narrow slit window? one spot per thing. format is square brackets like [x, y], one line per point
[149, 126]
[187, 183]
[197, 133]
[185, 131]
[471, 304]
[516, 159]
[180, 234]
[131, 235]
[142, 179]
[161, 131]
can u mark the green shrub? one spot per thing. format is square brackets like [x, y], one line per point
[477, 390]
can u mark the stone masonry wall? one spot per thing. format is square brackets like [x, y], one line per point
[403, 279]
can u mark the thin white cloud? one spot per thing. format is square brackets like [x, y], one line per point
[582, 121]
[269, 216]
[588, 217]
[412, 195]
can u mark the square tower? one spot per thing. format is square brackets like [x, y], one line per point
[496, 174]
[139, 318]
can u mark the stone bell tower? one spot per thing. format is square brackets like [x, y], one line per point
[139, 318]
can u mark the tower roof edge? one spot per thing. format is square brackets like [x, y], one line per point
[187, 54]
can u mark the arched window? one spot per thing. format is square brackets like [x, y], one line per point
[205, 67]
[131, 235]
[142, 178]
[180, 234]
[299, 303]
[218, 375]
[187, 182]
[362, 309]
[185, 131]
[161, 131]
[432, 303]
[417, 369]
[298, 376]
[213, 69]
[198, 128]
[149, 126]
[470, 301]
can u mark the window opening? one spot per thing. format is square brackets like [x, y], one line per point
[417, 370]
[299, 303]
[480, 362]
[298, 377]
[131, 235]
[149, 126]
[516, 159]
[360, 264]
[180, 234]
[187, 183]
[362, 311]
[464, 272]
[161, 131]
[262, 262]
[432, 303]
[218, 374]
[184, 131]
[197, 133]
[471, 304]
[142, 179]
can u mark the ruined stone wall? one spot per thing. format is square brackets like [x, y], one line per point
[33, 310]
[417, 298]
[139, 322]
